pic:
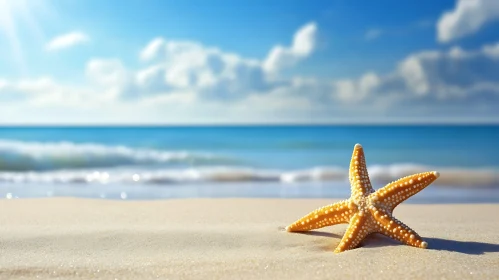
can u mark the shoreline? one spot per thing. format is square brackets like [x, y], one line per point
[226, 238]
[430, 195]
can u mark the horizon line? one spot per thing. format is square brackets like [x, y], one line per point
[41, 125]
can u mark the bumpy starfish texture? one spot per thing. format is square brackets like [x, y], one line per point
[368, 211]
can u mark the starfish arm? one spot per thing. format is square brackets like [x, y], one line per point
[355, 233]
[396, 192]
[336, 213]
[388, 225]
[359, 178]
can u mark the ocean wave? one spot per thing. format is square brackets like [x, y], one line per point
[456, 177]
[34, 156]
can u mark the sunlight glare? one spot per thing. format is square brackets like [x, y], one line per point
[13, 13]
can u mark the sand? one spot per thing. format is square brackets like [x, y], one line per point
[68, 238]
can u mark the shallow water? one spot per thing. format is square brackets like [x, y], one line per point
[248, 189]
[254, 161]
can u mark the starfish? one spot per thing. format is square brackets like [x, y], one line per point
[368, 211]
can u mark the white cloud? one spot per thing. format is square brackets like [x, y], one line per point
[210, 74]
[454, 74]
[467, 17]
[185, 81]
[106, 71]
[111, 77]
[412, 72]
[152, 49]
[45, 91]
[356, 90]
[26, 88]
[429, 79]
[304, 43]
[492, 50]
[175, 66]
[66, 41]
[190, 66]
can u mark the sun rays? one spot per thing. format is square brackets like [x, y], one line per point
[18, 19]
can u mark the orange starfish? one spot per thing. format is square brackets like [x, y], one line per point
[367, 211]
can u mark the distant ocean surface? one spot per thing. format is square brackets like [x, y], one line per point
[243, 161]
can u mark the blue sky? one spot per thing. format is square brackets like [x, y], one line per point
[170, 62]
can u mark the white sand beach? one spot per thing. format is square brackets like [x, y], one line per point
[69, 238]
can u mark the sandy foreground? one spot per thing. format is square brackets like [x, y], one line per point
[67, 238]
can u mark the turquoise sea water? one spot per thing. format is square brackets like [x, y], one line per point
[243, 161]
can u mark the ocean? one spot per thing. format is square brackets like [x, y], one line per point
[244, 161]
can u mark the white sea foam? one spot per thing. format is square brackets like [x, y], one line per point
[66, 162]
[34, 156]
[379, 175]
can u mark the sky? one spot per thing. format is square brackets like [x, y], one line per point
[259, 62]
